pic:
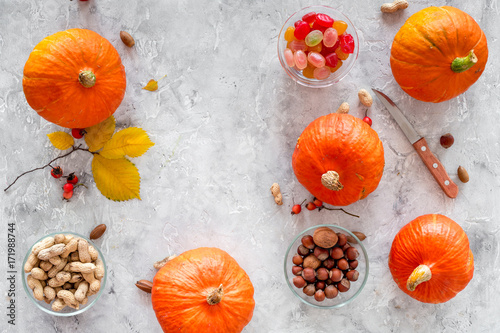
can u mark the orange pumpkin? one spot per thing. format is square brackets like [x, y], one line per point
[74, 78]
[203, 290]
[430, 259]
[339, 159]
[438, 54]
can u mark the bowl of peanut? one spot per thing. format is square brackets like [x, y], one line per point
[64, 274]
[326, 266]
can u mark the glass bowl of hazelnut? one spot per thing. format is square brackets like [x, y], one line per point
[326, 266]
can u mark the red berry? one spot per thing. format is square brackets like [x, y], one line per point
[301, 30]
[367, 120]
[67, 195]
[56, 172]
[296, 209]
[311, 206]
[324, 20]
[309, 17]
[72, 179]
[78, 133]
[68, 187]
[318, 203]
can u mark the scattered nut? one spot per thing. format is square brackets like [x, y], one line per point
[463, 175]
[98, 231]
[394, 6]
[159, 264]
[144, 285]
[447, 140]
[343, 108]
[275, 190]
[365, 98]
[127, 39]
[361, 236]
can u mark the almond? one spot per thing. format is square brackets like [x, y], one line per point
[98, 231]
[127, 39]
[462, 174]
[361, 236]
[145, 285]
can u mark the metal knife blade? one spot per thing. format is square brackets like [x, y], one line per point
[431, 162]
[396, 113]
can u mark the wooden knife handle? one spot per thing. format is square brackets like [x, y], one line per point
[436, 168]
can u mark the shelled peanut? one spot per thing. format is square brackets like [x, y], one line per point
[325, 264]
[64, 270]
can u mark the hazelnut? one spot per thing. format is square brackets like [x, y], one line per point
[299, 282]
[343, 264]
[297, 260]
[302, 250]
[346, 246]
[322, 274]
[342, 239]
[352, 275]
[331, 291]
[337, 253]
[320, 285]
[351, 253]
[319, 295]
[309, 274]
[308, 242]
[297, 270]
[335, 275]
[329, 282]
[329, 263]
[311, 261]
[325, 237]
[343, 285]
[321, 253]
[353, 264]
[447, 140]
[309, 290]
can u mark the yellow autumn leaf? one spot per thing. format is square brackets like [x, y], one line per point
[61, 140]
[151, 86]
[132, 141]
[117, 179]
[99, 134]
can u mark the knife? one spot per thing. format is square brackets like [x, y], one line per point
[431, 162]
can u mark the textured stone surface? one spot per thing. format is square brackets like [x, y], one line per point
[225, 121]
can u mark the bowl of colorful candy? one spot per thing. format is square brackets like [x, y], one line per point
[318, 46]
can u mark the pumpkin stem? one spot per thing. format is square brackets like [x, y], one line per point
[420, 274]
[330, 180]
[87, 79]
[215, 296]
[460, 65]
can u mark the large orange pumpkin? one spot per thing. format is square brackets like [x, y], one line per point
[339, 159]
[438, 54]
[74, 78]
[203, 290]
[430, 259]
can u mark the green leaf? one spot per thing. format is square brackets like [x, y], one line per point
[117, 179]
[132, 141]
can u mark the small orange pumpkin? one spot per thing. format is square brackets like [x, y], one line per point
[203, 290]
[74, 78]
[438, 54]
[339, 159]
[430, 259]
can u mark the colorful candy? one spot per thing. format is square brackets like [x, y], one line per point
[317, 45]
[314, 38]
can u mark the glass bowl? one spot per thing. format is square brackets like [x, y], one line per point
[67, 311]
[343, 298]
[334, 77]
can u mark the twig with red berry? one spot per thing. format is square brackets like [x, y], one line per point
[56, 172]
[317, 204]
